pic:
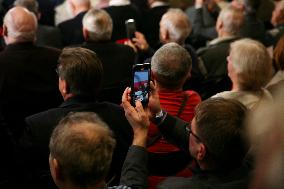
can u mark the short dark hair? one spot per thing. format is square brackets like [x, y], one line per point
[220, 123]
[82, 70]
[83, 146]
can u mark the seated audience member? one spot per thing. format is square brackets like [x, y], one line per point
[266, 133]
[174, 27]
[277, 20]
[212, 63]
[27, 72]
[170, 67]
[80, 75]
[249, 68]
[117, 59]
[203, 16]
[253, 27]
[46, 35]
[278, 56]
[152, 19]
[71, 30]
[120, 11]
[215, 138]
[81, 149]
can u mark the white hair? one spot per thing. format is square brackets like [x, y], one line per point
[99, 24]
[176, 22]
[232, 20]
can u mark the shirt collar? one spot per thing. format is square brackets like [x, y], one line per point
[119, 2]
[158, 4]
[221, 39]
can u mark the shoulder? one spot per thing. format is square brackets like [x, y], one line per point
[193, 95]
[177, 183]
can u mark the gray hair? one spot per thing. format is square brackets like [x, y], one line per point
[171, 64]
[232, 20]
[21, 27]
[252, 64]
[176, 22]
[99, 24]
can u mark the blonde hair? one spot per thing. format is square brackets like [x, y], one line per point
[251, 63]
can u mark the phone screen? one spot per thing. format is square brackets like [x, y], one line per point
[140, 88]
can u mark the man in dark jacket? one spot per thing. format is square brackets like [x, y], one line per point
[80, 75]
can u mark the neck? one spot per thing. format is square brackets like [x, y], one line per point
[80, 9]
[161, 88]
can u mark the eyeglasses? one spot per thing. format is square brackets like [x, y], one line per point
[188, 129]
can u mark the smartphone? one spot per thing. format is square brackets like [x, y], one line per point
[141, 75]
[130, 28]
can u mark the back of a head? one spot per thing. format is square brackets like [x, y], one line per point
[171, 65]
[99, 25]
[232, 20]
[220, 123]
[31, 5]
[83, 146]
[252, 64]
[177, 24]
[20, 25]
[278, 54]
[82, 70]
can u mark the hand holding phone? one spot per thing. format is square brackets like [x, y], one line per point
[141, 75]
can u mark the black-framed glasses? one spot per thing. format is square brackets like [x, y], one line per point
[188, 129]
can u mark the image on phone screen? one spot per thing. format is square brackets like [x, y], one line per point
[141, 86]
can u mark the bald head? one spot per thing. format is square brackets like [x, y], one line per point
[20, 25]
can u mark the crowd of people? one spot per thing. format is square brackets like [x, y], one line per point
[214, 115]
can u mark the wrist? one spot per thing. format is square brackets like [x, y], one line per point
[140, 139]
[159, 117]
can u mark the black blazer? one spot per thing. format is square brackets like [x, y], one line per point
[119, 15]
[34, 143]
[72, 30]
[28, 82]
[151, 25]
[117, 63]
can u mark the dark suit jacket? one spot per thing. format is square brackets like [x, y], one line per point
[28, 82]
[117, 63]
[151, 25]
[175, 130]
[40, 126]
[214, 58]
[72, 30]
[48, 36]
[119, 15]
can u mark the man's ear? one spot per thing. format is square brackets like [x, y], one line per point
[63, 86]
[85, 33]
[5, 31]
[55, 169]
[153, 76]
[201, 152]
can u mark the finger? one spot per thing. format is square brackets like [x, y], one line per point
[125, 97]
[138, 106]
